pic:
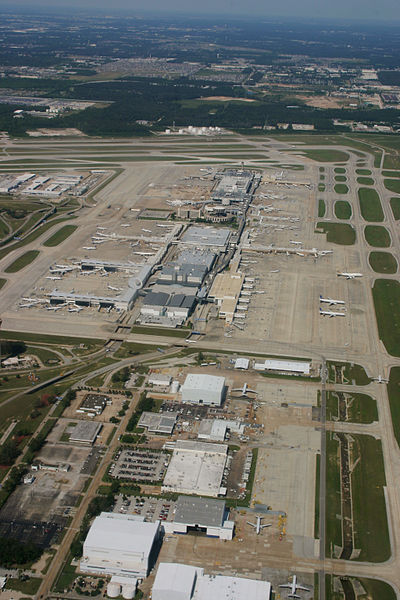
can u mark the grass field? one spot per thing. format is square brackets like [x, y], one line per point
[361, 408]
[395, 174]
[163, 331]
[338, 233]
[341, 188]
[342, 209]
[393, 389]
[317, 487]
[60, 236]
[391, 161]
[383, 262]
[363, 172]
[340, 178]
[326, 155]
[365, 180]
[395, 206]
[386, 295]
[23, 261]
[378, 590]
[371, 532]
[29, 587]
[370, 205]
[2, 282]
[377, 236]
[321, 187]
[393, 185]
[341, 170]
[333, 497]
[51, 339]
[322, 208]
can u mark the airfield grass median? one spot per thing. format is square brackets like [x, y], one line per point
[386, 295]
[341, 188]
[391, 161]
[395, 174]
[377, 590]
[377, 236]
[393, 185]
[338, 233]
[370, 525]
[365, 180]
[383, 262]
[363, 172]
[333, 496]
[22, 261]
[341, 170]
[2, 282]
[326, 155]
[393, 390]
[160, 331]
[342, 209]
[370, 204]
[395, 206]
[60, 236]
[340, 178]
[322, 208]
[361, 408]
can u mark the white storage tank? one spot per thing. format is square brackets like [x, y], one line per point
[128, 591]
[175, 387]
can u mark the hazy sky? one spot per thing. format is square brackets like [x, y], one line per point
[337, 9]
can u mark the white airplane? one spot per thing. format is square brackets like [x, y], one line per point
[350, 275]
[63, 267]
[275, 271]
[32, 300]
[331, 313]
[293, 587]
[144, 253]
[324, 252]
[98, 227]
[294, 242]
[331, 301]
[125, 224]
[89, 247]
[245, 390]
[53, 278]
[146, 230]
[55, 307]
[115, 289]
[75, 309]
[105, 274]
[27, 305]
[380, 379]
[257, 526]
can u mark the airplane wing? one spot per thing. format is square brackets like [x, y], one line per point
[301, 587]
[286, 585]
[252, 524]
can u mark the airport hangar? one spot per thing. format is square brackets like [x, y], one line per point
[184, 582]
[201, 514]
[204, 389]
[120, 545]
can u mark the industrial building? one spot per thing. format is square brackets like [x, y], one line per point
[196, 468]
[160, 379]
[285, 366]
[174, 307]
[183, 582]
[85, 432]
[201, 515]
[216, 430]
[94, 404]
[203, 389]
[158, 423]
[225, 291]
[120, 545]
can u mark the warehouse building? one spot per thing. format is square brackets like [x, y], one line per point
[201, 515]
[94, 404]
[284, 366]
[203, 389]
[183, 582]
[196, 468]
[216, 430]
[85, 433]
[120, 545]
[158, 423]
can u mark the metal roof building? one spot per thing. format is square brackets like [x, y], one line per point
[206, 236]
[158, 422]
[85, 432]
[183, 582]
[203, 389]
[290, 366]
[201, 514]
[120, 545]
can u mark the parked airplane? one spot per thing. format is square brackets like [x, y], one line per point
[28, 305]
[257, 526]
[350, 275]
[380, 379]
[146, 230]
[115, 289]
[89, 247]
[144, 253]
[331, 313]
[53, 278]
[294, 242]
[125, 224]
[244, 390]
[75, 309]
[331, 301]
[293, 587]
[324, 252]
[275, 271]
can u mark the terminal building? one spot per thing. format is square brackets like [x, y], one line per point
[225, 291]
[201, 515]
[183, 582]
[120, 545]
[203, 389]
[234, 186]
